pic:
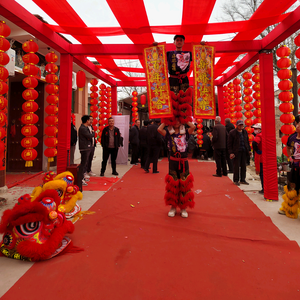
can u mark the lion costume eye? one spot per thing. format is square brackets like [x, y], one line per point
[28, 228]
[60, 192]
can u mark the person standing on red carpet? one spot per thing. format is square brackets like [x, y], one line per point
[179, 181]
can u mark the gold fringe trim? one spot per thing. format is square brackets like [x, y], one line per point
[79, 216]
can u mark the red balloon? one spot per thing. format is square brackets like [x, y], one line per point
[30, 82]
[51, 57]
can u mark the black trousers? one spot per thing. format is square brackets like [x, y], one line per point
[90, 159]
[134, 154]
[113, 152]
[261, 175]
[153, 155]
[220, 158]
[229, 161]
[83, 163]
[239, 166]
[144, 155]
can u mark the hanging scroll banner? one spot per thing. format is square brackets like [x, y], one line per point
[159, 99]
[204, 95]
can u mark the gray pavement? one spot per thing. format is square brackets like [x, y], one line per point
[12, 270]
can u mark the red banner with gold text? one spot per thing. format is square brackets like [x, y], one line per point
[159, 99]
[204, 95]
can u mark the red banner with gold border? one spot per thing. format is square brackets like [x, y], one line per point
[204, 94]
[159, 99]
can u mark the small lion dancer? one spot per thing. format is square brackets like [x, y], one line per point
[179, 181]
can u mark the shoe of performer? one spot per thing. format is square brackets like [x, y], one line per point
[216, 175]
[184, 213]
[91, 174]
[244, 182]
[172, 212]
[86, 179]
[281, 212]
[101, 174]
[85, 175]
[155, 172]
[261, 192]
[84, 183]
[146, 170]
[115, 173]
[236, 183]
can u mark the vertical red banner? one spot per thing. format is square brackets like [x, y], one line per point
[159, 99]
[204, 95]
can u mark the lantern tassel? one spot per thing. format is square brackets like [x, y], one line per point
[29, 163]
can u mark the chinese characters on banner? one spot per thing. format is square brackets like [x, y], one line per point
[204, 96]
[159, 99]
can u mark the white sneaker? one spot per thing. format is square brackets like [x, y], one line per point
[84, 183]
[91, 174]
[172, 212]
[184, 213]
[85, 175]
[86, 179]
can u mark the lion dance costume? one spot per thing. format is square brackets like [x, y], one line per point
[179, 181]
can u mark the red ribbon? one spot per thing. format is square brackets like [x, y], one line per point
[180, 160]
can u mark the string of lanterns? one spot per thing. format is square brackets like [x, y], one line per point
[237, 100]
[284, 74]
[134, 106]
[199, 132]
[297, 53]
[4, 60]
[51, 120]
[248, 106]
[29, 118]
[256, 95]
[225, 98]
[102, 110]
[94, 102]
[231, 102]
[108, 94]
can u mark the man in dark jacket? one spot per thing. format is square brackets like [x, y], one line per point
[229, 126]
[110, 141]
[239, 150]
[134, 142]
[73, 142]
[143, 143]
[219, 144]
[154, 145]
[85, 145]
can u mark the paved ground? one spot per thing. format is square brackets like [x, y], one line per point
[12, 270]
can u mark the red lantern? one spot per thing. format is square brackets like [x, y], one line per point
[50, 152]
[29, 130]
[30, 70]
[143, 100]
[29, 142]
[51, 110]
[284, 63]
[51, 131]
[52, 89]
[30, 46]
[4, 29]
[286, 107]
[256, 69]
[3, 102]
[284, 74]
[29, 118]
[2, 133]
[52, 99]
[94, 88]
[247, 83]
[4, 59]
[51, 57]
[287, 118]
[30, 58]
[284, 139]
[248, 99]
[3, 73]
[285, 96]
[30, 94]
[30, 82]
[247, 91]
[51, 78]
[283, 51]
[247, 75]
[2, 119]
[288, 129]
[3, 88]
[51, 68]
[51, 142]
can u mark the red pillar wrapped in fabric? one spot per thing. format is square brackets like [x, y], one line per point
[29, 118]
[268, 126]
[64, 116]
[256, 95]
[285, 85]
[248, 106]
[134, 106]
[4, 59]
[237, 99]
[94, 102]
[52, 109]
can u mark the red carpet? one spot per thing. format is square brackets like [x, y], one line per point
[100, 183]
[24, 179]
[226, 249]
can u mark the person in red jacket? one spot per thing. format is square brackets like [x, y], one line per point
[257, 147]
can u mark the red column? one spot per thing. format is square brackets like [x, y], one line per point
[221, 104]
[268, 126]
[114, 100]
[64, 112]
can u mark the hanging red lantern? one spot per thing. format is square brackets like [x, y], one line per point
[3, 88]
[30, 58]
[143, 100]
[51, 68]
[284, 63]
[283, 51]
[51, 57]
[51, 131]
[4, 59]
[30, 82]
[3, 73]
[52, 89]
[4, 29]
[80, 80]
[29, 142]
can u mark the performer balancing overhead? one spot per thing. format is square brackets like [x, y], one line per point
[179, 181]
